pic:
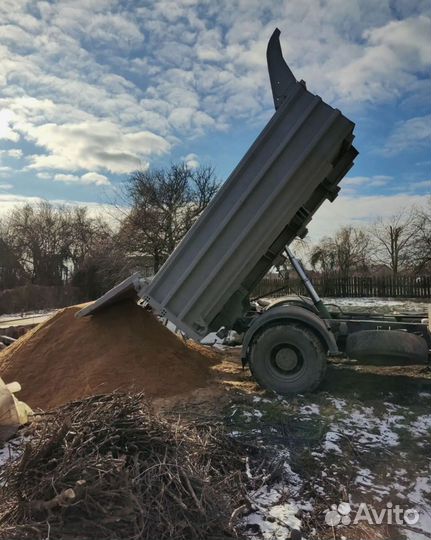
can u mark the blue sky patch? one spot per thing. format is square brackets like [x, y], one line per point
[91, 90]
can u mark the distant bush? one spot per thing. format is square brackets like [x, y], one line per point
[38, 297]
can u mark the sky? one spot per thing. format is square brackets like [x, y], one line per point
[91, 90]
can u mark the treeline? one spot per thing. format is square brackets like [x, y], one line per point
[48, 245]
[60, 246]
[398, 245]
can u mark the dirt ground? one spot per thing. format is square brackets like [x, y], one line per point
[347, 455]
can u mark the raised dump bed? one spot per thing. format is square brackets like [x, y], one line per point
[294, 164]
[292, 167]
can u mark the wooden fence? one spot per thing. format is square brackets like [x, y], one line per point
[337, 287]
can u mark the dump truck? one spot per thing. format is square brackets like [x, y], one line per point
[294, 165]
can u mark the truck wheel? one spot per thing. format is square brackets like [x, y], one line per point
[287, 359]
[391, 347]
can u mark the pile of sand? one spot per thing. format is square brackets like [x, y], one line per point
[124, 347]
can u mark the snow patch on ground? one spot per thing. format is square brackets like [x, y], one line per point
[272, 518]
[329, 444]
[313, 408]
[339, 404]
[417, 498]
[368, 428]
[294, 480]
[26, 314]
[5, 454]
[251, 415]
[11, 450]
[370, 303]
[421, 427]
[362, 453]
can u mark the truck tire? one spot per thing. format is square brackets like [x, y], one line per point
[287, 359]
[389, 347]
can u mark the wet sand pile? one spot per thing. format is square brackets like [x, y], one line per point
[124, 347]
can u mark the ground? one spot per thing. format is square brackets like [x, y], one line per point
[364, 437]
[351, 460]
[362, 441]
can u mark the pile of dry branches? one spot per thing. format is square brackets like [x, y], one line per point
[109, 467]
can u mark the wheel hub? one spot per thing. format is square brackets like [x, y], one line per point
[286, 359]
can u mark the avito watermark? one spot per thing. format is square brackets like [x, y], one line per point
[391, 514]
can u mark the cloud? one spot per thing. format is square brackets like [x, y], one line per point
[92, 146]
[66, 178]
[409, 134]
[110, 213]
[423, 184]
[6, 131]
[358, 211]
[116, 30]
[44, 175]
[6, 186]
[95, 178]
[191, 160]
[94, 87]
[5, 171]
[87, 178]
[385, 67]
[371, 181]
[15, 153]
[9, 201]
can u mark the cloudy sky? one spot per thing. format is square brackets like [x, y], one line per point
[93, 89]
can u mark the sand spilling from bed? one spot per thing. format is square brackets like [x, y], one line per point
[122, 347]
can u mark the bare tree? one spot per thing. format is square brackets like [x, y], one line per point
[165, 204]
[40, 236]
[352, 250]
[323, 257]
[102, 267]
[88, 234]
[345, 252]
[50, 242]
[12, 272]
[421, 250]
[393, 240]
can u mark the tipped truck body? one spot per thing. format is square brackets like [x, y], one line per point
[293, 166]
